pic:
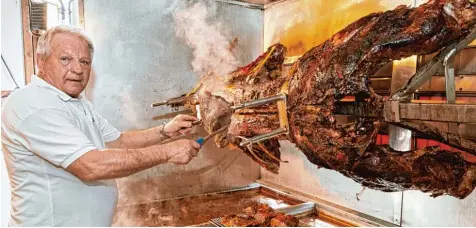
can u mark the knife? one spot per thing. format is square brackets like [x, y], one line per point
[202, 140]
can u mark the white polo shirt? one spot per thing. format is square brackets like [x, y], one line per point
[43, 131]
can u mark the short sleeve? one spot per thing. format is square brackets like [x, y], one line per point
[108, 132]
[51, 134]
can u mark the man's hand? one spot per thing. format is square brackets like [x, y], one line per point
[5, 93]
[180, 125]
[182, 151]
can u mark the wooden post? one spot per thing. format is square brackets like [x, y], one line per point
[29, 42]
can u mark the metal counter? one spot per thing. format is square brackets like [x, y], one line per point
[206, 209]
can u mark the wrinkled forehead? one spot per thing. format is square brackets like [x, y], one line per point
[71, 43]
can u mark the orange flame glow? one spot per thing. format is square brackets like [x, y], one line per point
[314, 21]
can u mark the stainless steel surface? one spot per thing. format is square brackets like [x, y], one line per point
[464, 84]
[426, 72]
[38, 17]
[450, 77]
[419, 209]
[308, 207]
[449, 138]
[456, 113]
[341, 216]
[303, 176]
[450, 85]
[399, 138]
[402, 71]
[139, 60]
[464, 62]
[216, 222]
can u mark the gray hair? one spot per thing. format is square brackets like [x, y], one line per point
[43, 47]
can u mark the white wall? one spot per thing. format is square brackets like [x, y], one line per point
[12, 52]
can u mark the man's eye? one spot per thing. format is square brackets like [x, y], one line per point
[85, 62]
[64, 59]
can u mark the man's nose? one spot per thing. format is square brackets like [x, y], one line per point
[76, 67]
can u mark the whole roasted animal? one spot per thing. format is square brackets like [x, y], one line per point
[339, 67]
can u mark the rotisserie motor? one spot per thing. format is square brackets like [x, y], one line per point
[339, 67]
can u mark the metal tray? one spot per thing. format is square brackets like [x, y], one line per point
[301, 210]
[197, 210]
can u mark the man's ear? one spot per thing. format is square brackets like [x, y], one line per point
[40, 62]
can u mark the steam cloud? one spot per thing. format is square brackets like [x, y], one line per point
[208, 38]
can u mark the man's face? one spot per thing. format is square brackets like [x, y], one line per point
[69, 64]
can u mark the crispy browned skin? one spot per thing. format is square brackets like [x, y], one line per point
[340, 67]
[237, 221]
[282, 220]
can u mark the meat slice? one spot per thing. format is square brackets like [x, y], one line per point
[234, 220]
[282, 220]
[260, 215]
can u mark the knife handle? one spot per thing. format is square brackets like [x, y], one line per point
[200, 141]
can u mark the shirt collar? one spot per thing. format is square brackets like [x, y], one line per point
[37, 81]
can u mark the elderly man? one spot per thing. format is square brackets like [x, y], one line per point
[61, 155]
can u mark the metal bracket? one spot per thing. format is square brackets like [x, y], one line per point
[281, 100]
[262, 137]
[450, 85]
[450, 77]
[445, 58]
[428, 70]
[392, 111]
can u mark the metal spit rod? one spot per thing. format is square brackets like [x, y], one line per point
[259, 102]
[172, 101]
[263, 137]
[281, 100]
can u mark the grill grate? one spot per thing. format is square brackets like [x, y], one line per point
[217, 221]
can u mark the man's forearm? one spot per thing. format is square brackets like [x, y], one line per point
[141, 138]
[116, 163]
[180, 125]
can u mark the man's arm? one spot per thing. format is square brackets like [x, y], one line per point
[51, 134]
[115, 163]
[181, 124]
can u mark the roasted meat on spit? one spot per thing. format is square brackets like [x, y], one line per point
[339, 67]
